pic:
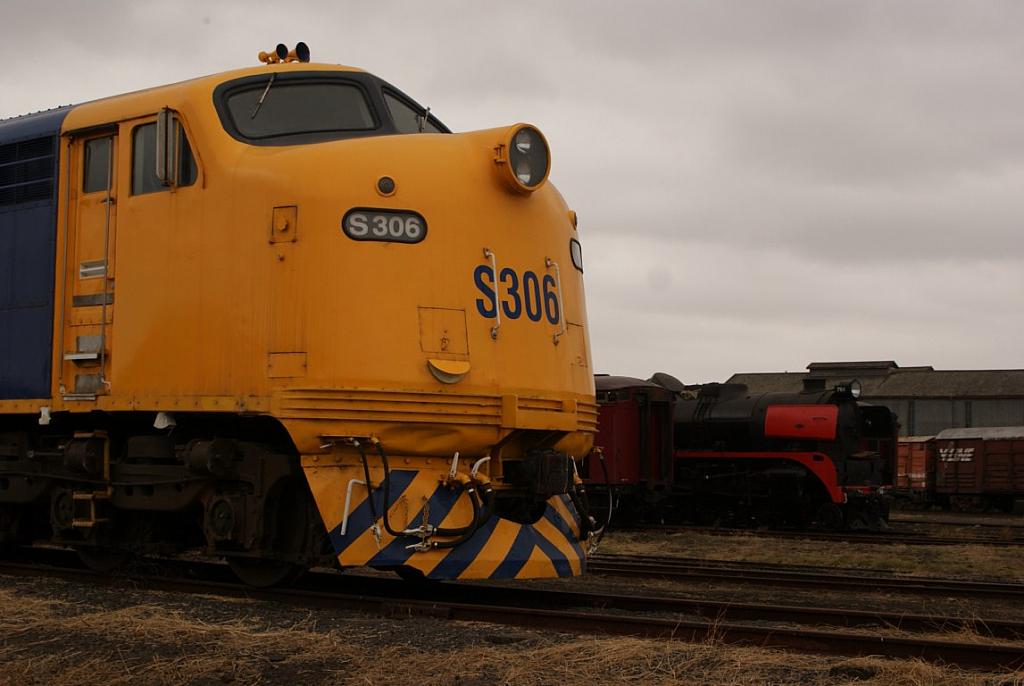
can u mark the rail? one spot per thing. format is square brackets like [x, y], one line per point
[531, 608]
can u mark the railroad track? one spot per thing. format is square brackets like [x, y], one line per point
[925, 520]
[870, 538]
[688, 620]
[804, 577]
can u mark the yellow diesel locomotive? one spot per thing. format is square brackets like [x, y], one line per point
[283, 316]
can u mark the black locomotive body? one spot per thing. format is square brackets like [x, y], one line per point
[815, 458]
[818, 457]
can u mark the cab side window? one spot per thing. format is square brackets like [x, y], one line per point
[144, 179]
[96, 169]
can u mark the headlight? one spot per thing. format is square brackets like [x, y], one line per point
[576, 251]
[852, 388]
[525, 158]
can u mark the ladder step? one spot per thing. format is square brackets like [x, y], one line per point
[81, 357]
[89, 508]
[85, 523]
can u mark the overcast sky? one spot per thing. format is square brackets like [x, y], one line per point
[759, 184]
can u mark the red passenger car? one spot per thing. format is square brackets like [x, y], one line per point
[635, 436]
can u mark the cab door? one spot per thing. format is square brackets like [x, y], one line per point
[88, 308]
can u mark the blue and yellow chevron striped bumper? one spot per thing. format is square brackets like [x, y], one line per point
[498, 549]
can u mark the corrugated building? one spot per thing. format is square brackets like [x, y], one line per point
[927, 400]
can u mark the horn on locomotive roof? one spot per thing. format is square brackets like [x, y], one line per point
[299, 54]
[278, 55]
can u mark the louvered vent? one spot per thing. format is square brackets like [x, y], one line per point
[26, 171]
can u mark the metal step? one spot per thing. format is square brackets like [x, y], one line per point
[90, 508]
[81, 357]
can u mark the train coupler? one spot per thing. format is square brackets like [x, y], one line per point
[589, 530]
[425, 531]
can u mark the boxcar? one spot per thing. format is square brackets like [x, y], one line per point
[981, 466]
[915, 467]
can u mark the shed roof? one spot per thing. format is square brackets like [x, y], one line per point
[604, 382]
[878, 366]
[895, 382]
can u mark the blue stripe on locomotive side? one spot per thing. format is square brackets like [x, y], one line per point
[361, 518]
[555, 518]
[28, 239]
[522, 548]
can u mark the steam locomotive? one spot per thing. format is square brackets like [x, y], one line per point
[720, 454]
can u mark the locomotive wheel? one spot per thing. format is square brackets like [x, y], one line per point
[102, 560]
[263, 573]
[288, 533]
[11, 520]
[858, 523]
[413, 576]
[829, 517]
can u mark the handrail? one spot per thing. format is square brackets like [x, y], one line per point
[64, 268]
[106, 264]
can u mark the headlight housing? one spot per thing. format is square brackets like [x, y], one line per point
[851, 387]
[524, 158]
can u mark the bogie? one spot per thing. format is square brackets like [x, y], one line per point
[110, 494]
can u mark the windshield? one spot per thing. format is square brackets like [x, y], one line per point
[297, 108]
[270, 110]
[408, 120]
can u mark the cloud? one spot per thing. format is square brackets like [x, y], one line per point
[759, 185]
[706, 311]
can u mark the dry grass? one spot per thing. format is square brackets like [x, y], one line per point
[151, 638]
[942, 561]
[44, 643]
[587, 662]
